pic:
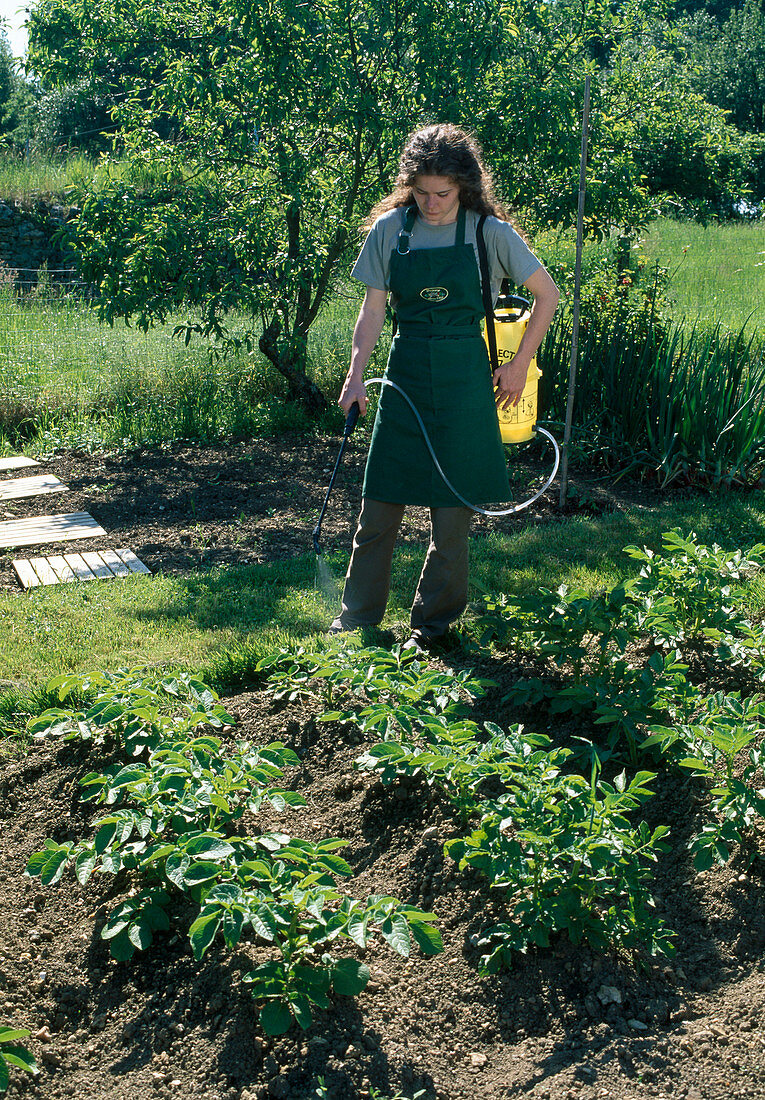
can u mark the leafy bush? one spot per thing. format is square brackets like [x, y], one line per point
[725, 745]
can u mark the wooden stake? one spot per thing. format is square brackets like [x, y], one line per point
[577, 289]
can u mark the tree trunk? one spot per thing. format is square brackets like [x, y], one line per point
[289, 356]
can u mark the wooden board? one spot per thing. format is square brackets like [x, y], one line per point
[78, 567]
[26, 574]
[61, 569]
[115, 563]
[18, 487]
[97, 565]
[90, 566]
[44, 571]
[16, 462]
[134, 564]
[44, 529]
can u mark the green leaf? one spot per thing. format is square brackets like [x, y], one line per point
[395, 931]
[19, 1057]
[275, 1018]
[202, 932]
[357, 928]
[176, 866]
[263, 923]
[427, 937]
[10, 1035]
[696, 763]
[120, 946]
[140, 934]
[84, 866]
[302, 1009]
[349, 977]
[210, 846]
[55, 864]
[200, 872]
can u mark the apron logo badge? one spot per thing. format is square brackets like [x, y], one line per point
[434, 293]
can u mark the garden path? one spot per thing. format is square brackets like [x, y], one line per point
[66, 527]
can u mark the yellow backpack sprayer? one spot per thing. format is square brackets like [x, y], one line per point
[503, 331]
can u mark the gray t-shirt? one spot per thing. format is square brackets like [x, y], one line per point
[509, 256]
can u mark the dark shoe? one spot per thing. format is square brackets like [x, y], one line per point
[416, 644]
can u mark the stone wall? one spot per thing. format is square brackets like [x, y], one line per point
[34, 235]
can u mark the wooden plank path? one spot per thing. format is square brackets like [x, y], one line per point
[40, 530]
[88, 566]
[16, 462]
[66, 527]
[18, 487]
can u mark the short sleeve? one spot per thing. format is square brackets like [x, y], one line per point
[371, 267]
[509, 255]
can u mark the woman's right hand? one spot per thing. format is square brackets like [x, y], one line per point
[353, 390]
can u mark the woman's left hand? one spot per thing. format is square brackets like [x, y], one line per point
[509, 382]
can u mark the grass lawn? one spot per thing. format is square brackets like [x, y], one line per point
[716, 271]
[221, 621]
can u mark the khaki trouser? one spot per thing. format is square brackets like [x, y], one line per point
[442, 589]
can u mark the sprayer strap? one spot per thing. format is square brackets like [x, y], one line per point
[488, 304]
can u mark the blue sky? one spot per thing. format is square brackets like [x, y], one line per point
[13, 15]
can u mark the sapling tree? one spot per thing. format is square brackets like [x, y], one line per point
[256, 137]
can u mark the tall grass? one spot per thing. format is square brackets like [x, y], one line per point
[684, 403]
[716, 271]
[66, 379]
[43, 176]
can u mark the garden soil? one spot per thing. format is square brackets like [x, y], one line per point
[566, 1023]
[182, 508]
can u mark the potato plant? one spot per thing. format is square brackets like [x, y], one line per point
[726, 746]
[14, 1055]
[382, 690]
[170, 832]
[565, 855]
[682, 597]
[686, 593]
[128, 707]
[559, 847]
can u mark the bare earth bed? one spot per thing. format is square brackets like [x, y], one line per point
[564, 1023]
[183, 508]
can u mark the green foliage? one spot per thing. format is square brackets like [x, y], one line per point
[565, 853]
[74, 117]
[686, 592]
[457, 759]
[560, 846]
[137, 710]
[683, 597]
[12, 1054]
[725, 745]
[17, 100]
[266, 131]
[389, 690]
[169, 833]
[675, 404]
[728, 56]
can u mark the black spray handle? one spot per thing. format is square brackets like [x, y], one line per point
[351, 419]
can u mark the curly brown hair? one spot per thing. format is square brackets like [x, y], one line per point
[442, 150]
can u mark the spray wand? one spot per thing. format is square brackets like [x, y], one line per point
[350, 424]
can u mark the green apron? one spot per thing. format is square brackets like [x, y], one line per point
[439, 359]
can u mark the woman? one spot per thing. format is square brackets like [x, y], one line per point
[421, 249]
